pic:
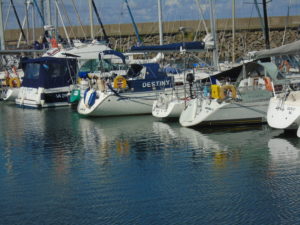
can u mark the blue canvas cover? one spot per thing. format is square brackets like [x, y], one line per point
[154, 79]
[152, 84]
[189, 46]
[153, 71]
[49, 72]
[113, 52]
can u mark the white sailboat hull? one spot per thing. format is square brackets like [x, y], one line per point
[171, 110]
[284, 114]
[109, 104]
[211, 112]
[11, 94]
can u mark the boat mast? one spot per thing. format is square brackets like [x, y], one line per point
[27, 5]
[33, 23]
[100, 22]
[286, 22]
[160, 22]
[91, 19]
[18, 20]
[233, 31]
[2, 46]
[42, 9]
[56, 21]
[62, 22]
[214, 33]
[260, 17]
[49, 14]
[40, 12]
[266, 30]
[134, 24]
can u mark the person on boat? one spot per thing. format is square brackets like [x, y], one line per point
[285, 66]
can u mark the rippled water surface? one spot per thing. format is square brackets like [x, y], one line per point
[59, 168]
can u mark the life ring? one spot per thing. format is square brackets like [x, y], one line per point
[230, 88]
[120, 82]
[268, 83]
[14, 82]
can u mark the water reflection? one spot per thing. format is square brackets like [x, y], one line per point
[123, 169]
[220, 144]
[118, 135]
[284, 148]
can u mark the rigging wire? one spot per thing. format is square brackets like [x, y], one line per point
[245, 36]
[68, 18]
[100, 22]
[286, 22]
[79, 19]
[7, 16]
[18, 20]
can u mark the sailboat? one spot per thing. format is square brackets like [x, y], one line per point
[50, 79]
[171, 106]
[284, 107]
[238, 99]
[129, 94]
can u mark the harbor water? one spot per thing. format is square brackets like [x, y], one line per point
[57, 167]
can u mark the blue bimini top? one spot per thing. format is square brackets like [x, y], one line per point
[49, 72]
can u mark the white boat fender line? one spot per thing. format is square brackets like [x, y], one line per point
[298, 132]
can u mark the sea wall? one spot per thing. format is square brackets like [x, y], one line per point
[248, 36]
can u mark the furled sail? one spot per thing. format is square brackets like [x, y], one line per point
[288, 49]
[187, 46]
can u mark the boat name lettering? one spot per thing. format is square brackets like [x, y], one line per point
[291, 108]
[156, 83]
[61, 95]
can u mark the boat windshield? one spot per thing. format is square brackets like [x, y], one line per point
[190, 62]
[32, 71]
[288, 65]
[105, 65]
[91, 65]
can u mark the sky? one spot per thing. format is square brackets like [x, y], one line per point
[115, 11]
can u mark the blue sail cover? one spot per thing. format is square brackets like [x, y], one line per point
[188, 46]
[113, 52]
[49, 72]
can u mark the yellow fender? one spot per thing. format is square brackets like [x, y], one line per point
[225, 88]
[14, 82]
[120, 82]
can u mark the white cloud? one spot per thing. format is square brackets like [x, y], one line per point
[172, 3]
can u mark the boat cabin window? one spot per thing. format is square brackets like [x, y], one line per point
[107, 65]
[55, 70]
[288, 64]
[104, 65]
[32, 71]
[190, 62]
[91, 65]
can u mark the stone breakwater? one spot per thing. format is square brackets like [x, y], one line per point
[245, 41]
[249, 35]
